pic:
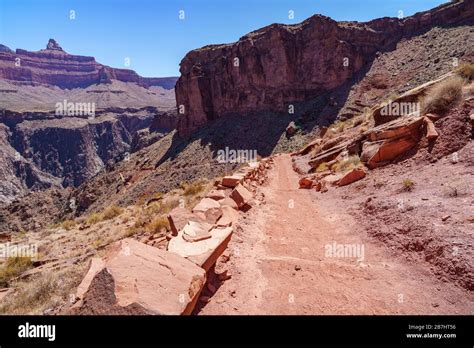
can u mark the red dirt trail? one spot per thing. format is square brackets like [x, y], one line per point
[279, 265]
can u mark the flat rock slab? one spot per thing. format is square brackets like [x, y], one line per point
[135, 278]
[352, 176]
[228, 218]
[179, 217]
[203, 253]
[196, 231]
[206, 204]
[229, 202]
[216, 194]
[232, 181]
[241, 195]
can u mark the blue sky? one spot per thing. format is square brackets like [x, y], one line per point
[150, 32]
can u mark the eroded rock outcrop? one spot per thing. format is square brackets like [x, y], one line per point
[280, 64]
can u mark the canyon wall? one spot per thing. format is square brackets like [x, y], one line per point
[281, 64]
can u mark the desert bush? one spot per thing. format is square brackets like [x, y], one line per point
[322, 167]
[346, 164]
[68, 224]
[466, 71]
[94, 218]
[158, 225]
[163, 207]
[111, 212]
[408, 184]
[43, 291]
[13, 267]
[440, 98]
[191, 189]
[31, 294]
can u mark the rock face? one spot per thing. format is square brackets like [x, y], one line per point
[54, 66]
[281, 64]
[77, 149]
[17, 174]
[53, 137]
[134, 278]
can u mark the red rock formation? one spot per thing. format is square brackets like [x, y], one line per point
[280, 64]
[54, 66]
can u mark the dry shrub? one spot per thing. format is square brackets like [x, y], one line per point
[346, 164]
[192, 189]
[13, 267]
[322, 167]
[163, 207]
[441, 98]
[408, 185]
[94, 218]
[158, 225]
[111, 212]
[68, 224]
[43, 291]
[466, 71]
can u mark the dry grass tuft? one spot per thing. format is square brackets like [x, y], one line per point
[68, 224]
[408, 185]
[158, 225]
[443, 96]
[346, 164]
[466, 71]
[112, 212]
[13, 267]
[322, 167]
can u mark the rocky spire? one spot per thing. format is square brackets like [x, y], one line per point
[53, 45]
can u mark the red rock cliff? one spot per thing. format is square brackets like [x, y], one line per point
[269, 68]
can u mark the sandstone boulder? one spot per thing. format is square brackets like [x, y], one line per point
[431, 132]
[378, 153]
[208, 209]
[231, 181]
[179, 217]
[216, 194]
[306, 183]
[134, 278]
[352, 176]
[206, 204]
[229, 217]
[196, 231]
[229, 202]
[241, 195]
[203, 253]
[333, 179]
